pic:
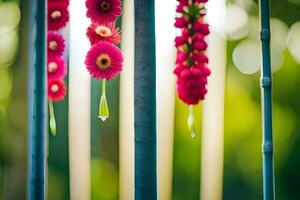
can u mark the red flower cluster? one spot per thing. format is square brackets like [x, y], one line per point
[104, 60]
[191, 63]
[58, 16]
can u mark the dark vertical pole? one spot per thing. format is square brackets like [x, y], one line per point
[37, 100]
[145, 101]
[266, 86]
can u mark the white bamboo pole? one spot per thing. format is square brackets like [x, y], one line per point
[79, 105]
[126, 138]
[213, 107]
[165, 92]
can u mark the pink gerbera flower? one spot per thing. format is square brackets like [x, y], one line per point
[103, 10]
[103, 32]
[55, 44]
[56, 89]
[56, 67]
[58, 16]
[104, 61]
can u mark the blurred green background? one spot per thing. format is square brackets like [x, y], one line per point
[242, 153]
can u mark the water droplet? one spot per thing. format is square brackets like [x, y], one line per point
[190, 122]
[103, 118]
[103, 107]
[52, 122]
[193, 134]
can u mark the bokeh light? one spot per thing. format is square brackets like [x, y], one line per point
[10, 14]
[8, 45]
[294, 41]
[236, 27]
[279, 33]
[5, 84]
[246, 56]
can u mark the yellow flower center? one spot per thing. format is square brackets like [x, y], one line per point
[103, 31]
[105, 6]
[54, 88]
[52, 67]
[103, 61]
[56, 14]
[53, 45]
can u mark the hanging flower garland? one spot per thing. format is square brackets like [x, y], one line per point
[191, 63]
[58, 17]
[104, 60]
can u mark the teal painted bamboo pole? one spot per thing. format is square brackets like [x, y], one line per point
[37, 100]
[145, 101]
[266, 87]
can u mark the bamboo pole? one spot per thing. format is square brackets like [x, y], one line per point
[145, 101]
[165, 93]
[79, 105]
[126, 133]
[37, 101]
[266, 90]
[213, 106]
[213, 133]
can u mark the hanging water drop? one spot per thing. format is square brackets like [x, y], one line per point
[103, 107]
[193, 134]
[52, 122]
[190, 122]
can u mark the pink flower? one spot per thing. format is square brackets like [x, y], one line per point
[103, 32]
[191, 86]
[58, 16]
[56, 67]
[205, 71]
[56, 89]
[179, 68]
[180, 40]
[182, 6]
[55, 44]
[191, 69]
[200, 27]
[200, 45]
[104, 61]
[63, 2]
[181, 22]
[100, 11]
[200, 57]
[181, 57]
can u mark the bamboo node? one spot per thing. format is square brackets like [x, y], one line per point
[265, 82]
[265, 34]
[267, 147]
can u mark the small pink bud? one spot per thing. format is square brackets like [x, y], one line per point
[201, 28]
[181, 57]
[196, 72]
[198, 37]
[200, 45]
[185, 74]
[200, 57]
[206, 71]
[180, 40]
[181, 22]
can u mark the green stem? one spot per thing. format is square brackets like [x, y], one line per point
[103, 107]
[266, 88]
[104, 87]
[52, 121]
